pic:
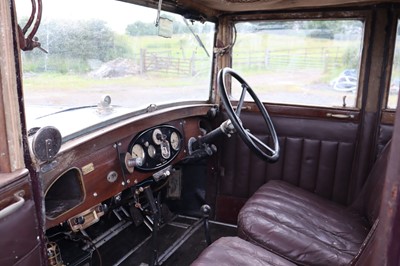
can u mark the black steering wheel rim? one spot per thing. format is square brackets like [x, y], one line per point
[272, 153]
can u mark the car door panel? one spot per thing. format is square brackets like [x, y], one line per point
[19, 239]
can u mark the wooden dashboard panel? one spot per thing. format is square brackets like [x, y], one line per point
[96, 157]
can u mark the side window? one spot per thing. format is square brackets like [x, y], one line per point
[395, 78]
[307, 62]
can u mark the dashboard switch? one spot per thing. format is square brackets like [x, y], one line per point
[112, 176]
[164, 173]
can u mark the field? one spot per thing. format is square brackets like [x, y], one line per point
[276, 65]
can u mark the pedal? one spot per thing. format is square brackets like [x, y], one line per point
[136, 215]
[121, 213]
[175, 185]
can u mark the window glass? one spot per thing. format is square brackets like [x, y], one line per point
[395, 78]
[300, 62]
[107, 47]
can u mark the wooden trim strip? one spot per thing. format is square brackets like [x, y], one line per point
[11, 152]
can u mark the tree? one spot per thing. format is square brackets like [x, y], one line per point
[70, 44]
[140, 28]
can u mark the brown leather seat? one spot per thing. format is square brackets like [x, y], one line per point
[231, 251]
[308, 229]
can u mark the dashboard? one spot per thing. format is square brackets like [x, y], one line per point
[90, 170]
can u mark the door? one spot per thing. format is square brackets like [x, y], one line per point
[20, 241]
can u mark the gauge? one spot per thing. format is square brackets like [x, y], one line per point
[175, 143]
[157, 136]
[138, 151]
[151, 150]
[156, 146]
[165, 150]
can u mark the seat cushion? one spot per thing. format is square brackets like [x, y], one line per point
[232, 251]
[301, 226]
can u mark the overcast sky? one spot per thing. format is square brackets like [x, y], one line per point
[117, 14]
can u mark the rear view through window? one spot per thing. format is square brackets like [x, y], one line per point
[314, 62]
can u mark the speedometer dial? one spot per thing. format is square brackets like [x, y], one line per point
[175, 141]
[138, 151]
[157, 136]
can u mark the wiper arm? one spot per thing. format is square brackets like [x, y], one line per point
[196, 37]
[68, 109]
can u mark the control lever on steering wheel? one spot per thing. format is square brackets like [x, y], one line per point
[203, 147]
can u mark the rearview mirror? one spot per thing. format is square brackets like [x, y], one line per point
[165, 27]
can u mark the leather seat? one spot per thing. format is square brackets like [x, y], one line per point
[308, 229]
[231, 251]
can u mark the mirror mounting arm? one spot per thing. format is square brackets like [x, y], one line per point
[30, 42]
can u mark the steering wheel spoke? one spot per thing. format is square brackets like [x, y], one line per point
[241, 100]
[259, 142]
[261, 149]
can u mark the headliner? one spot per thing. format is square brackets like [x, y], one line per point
[214, 8]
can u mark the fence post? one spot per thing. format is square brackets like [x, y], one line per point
[142, 61]
[266, 60]
[192, 65]
[305, 56]
[325, 60]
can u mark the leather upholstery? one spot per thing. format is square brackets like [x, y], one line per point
[308, 229]
[385, 134]
[369, 200]
[316, 155]
[231, 251]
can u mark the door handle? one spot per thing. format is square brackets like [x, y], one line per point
[341, 116]
[19, 201]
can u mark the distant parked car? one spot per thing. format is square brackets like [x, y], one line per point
[347, 81]
[394, 86]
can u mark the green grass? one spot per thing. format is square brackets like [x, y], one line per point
[71, 82]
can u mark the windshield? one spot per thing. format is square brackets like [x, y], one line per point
[110, 50]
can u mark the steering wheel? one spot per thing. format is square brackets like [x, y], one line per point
[261, 149]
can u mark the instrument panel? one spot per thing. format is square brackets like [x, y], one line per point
[156, 147]
[91, 170]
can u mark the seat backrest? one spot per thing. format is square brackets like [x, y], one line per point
[369, 200]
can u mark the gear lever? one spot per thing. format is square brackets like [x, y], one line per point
[205, 210]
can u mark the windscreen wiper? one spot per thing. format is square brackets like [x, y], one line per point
[197, 37]
[67, 110]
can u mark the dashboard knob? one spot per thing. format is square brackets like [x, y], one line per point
[129, 162]
[79, 220]
[135, 162]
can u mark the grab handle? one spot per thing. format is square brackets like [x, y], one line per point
[19, 197]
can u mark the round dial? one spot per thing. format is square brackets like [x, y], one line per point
[175, 143]
[157, 136]
[138, 151]
[151, 150]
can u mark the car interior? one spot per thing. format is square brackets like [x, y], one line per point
[209, 132]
